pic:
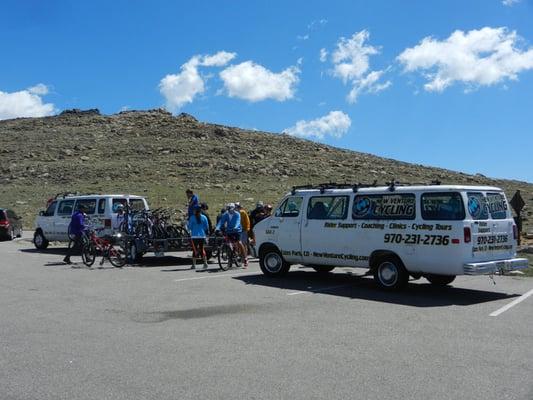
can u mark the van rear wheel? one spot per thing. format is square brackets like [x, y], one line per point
[272, 263]
[390, 273]
[440, 280]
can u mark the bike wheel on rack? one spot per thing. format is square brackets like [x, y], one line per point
[117, 256]
[88, 254]
[225, 257]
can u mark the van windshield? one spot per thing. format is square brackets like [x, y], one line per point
[443, 206]
[2, 215]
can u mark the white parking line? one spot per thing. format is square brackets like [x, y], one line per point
[316, 290]
[222, 275]
[512, 304]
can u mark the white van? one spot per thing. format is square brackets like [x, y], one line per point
[432, 231]
[52, 224]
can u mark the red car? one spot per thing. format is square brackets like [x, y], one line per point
[10, 224]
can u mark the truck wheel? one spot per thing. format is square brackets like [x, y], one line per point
[440, 280]
[39, 241]
[272, 263]
[323, 269]
[390, 273]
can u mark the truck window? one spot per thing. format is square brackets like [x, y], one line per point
[290, 207]
[477, 206]
[443, 206]
[384, 206]
[101, 206]
[51, 209]
[497, 205]
[328, 207]
[90, 204]
[65, 207]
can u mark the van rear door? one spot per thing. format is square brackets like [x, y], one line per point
[492, 226]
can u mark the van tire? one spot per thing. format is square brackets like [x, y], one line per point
[272, 263]
[323, 269]
[440, 280]
[39, 241]
[390, 273]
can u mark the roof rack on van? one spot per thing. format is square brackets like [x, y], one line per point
[356, 186]
[69, 194]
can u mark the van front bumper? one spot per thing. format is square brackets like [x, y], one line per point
[491, 267]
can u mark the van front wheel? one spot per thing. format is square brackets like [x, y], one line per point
[440, 280]
[272, 263]
[390, 274]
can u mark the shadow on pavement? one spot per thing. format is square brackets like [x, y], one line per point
[417, 294]
[61, 251]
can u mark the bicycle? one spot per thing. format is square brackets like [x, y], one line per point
[228, 254]
[109, 247]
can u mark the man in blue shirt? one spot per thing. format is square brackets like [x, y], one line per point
[76, 230]
[193, 202]
[231, 223]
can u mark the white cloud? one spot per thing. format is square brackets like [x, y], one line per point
[303, 37]
[25, 103]
[335, 124]
[481, 57]
[510, 2]
[253, 82]
[323, 55]
[181, 88]
[351, 64]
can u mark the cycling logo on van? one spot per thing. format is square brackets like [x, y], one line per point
[384, 206]
[361, 206]
[474, 207]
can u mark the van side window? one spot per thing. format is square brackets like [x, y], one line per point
[290, 207]
[137, 204]
[101, 206]
[90, 205]
[65, 207]
[116, 202]
[477, 206]
[497, 205]
[50, 210]
[328, 207]
[384, 206]
[443, 206]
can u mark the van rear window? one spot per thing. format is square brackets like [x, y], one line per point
[2, 215]
[477, 206]
[384, 206]
[497, 205]
[443, 206]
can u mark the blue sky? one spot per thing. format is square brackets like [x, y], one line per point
[420, 92]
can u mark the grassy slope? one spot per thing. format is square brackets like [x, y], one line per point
[158, 155]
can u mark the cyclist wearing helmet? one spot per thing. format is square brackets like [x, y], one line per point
[198, 227]
[231, 222]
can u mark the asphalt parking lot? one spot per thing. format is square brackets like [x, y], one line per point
[162, 331]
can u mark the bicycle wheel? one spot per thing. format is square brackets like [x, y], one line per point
[225, 256]
[117, 256]
[88, 254]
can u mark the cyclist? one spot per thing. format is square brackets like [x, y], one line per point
[193, 201]
[204, 208]
[198, 227]
[231, 222]
[245, 225]
[257, 211]
[76, 231]
[119, 218]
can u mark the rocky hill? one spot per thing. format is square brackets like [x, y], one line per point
[159, 155]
